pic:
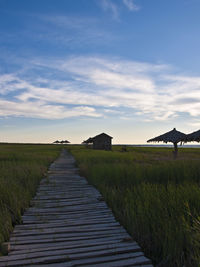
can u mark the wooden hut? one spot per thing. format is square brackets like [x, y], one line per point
[102, 141]
[173, 136]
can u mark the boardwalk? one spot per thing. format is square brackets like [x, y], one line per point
[69, 224]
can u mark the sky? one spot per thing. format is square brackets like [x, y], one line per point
[71, 69]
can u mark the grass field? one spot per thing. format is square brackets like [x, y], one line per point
[155, 197]
[21, 169]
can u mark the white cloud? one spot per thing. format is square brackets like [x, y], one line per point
[195, 124]
[40, 109]
[131, 5]
[84, 85]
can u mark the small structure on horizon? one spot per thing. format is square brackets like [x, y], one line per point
[102, 141]
[64, 142]
[61, 142]
[56, 142]
[173, 136]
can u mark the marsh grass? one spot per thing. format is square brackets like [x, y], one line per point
[155, 197]
[21, 169]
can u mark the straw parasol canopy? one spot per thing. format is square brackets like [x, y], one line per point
[64, 142]
[61, 142]
[88, 141]
[173, 136]
[56, 142]
[192, 137]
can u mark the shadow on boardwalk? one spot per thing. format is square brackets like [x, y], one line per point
[68, 224]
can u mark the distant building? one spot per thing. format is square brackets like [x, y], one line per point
[102, 141]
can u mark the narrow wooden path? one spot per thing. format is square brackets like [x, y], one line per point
[69, 224]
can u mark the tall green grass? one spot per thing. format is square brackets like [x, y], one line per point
[21, 169]
[155, 197]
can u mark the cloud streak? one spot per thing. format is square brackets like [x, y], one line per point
[115, 9]
[109, 6]
[130, 4]
[98, 87]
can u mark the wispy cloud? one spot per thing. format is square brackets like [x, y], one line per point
[130, 4]
[109, 6]
[95, 87]
[43, 110]
[115, 7]
[60, 31]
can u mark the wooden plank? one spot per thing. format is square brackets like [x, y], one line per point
[72, 229]
[64, 195]
[47, 219]
[38, 218]
[55, 197]
[82, 216]
[79, 258]
[63, 198]
[69, 187]
[68, 192]
[92, 206]
[72, 243]
[73, 222]
[60, 227]
[65, 211]
[52, 239]
[26, 227]
[67, 214]
[138, 261]
[94, 244]
[90, 210]
[98, 205]
[65, 234]
[118, 247]
[64, 203]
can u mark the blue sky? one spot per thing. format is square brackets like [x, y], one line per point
[71, 69]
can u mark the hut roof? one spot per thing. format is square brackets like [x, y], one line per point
[102, 135]
[91, 139]
[173, 136]
[195, 136]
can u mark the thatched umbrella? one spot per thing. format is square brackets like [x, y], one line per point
[88, 141]
[56, 142]
[173, 136]
[193, 137]
[66, 142]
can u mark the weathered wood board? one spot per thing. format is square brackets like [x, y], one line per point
[69, 224]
